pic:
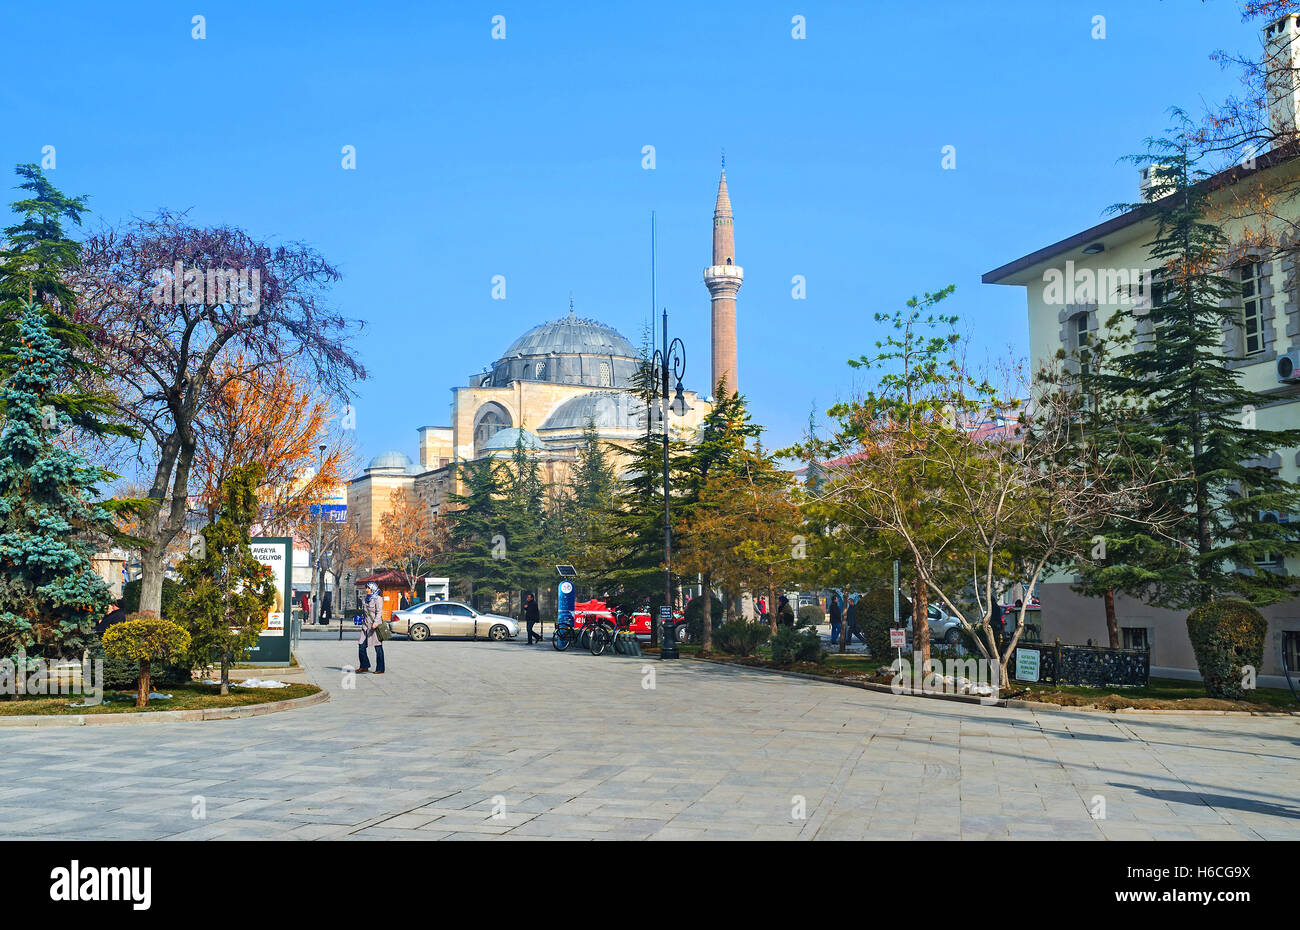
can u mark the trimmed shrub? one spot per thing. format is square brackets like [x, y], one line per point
[875, 615]
[793, 644]
[1227, 636]
[145, 638]
[811, 614]
[695, 621]
[740, 637]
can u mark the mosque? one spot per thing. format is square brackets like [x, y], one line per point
[544, 390]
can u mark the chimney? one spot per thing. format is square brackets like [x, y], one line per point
[1282, 76]
[1154, 182]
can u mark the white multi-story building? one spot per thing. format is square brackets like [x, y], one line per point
[1074, 286]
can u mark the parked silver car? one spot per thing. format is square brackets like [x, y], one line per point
[944, 627]
[451, 619]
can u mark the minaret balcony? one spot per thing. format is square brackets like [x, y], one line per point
[724, 278]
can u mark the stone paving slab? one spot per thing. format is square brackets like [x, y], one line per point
[499, 741]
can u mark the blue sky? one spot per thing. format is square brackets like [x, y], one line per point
[523, 157]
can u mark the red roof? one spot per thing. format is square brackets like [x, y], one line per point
[388, 578]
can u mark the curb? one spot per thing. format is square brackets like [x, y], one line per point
[1004, 702]
[164, 716]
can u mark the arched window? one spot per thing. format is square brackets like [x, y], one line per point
[606, 379]
[491, 420]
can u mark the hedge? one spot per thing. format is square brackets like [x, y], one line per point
[1227, 637]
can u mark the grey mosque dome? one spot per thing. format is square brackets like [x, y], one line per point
[570, 350]
[604, 409]
[392, 459]
[504, 440]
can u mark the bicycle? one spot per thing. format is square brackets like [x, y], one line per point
[562, 634]
[604, 633]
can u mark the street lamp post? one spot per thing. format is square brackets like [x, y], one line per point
[317, 581]
[671, 357]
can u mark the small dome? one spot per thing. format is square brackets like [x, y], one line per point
[390, 459]
[505, 440]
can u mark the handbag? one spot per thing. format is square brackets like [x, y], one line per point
[384, 630]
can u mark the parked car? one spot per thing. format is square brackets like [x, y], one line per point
[944, 627]
[451, 619]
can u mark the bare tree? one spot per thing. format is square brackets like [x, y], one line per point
[1012, 500]
[168, 303]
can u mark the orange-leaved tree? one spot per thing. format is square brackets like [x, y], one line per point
[273, 415]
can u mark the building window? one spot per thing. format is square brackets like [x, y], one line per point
[1080, 334]
[491, 423]
[1135, 637]
[1270, 516]
[540, 371]
[605, 379]
[1291, 649]
[1252, 309]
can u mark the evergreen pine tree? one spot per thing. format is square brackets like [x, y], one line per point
[50, 596]
[1197, 405]
[480, 548]
[36, 262]
[225, 591]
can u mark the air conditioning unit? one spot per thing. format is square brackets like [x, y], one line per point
[1288, 367]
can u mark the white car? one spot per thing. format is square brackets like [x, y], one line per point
[451, 619]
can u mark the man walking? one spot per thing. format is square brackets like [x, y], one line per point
[326, 607]
[372, 616]
[531, 616]
[851, 628]
[835, 613]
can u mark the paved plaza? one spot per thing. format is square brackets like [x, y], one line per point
[476, 740]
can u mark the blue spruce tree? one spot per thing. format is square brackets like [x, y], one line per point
[50, 596]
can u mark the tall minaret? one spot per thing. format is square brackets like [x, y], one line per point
[723, 279]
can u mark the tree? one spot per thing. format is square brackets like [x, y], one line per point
[1197, 405]
[1011, 502]
[273, 415]
[478, 545]
[1125, 553]
[723, 433]
[169, 303]
[527, 523]
[36, 262]
[742, 529]
[411, 538]
[226, 592]
[145, 638]
[50, 525]
[585, 504]
[919, 377]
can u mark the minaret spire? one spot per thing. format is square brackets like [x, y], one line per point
[723, 279]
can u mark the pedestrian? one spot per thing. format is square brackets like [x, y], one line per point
[835, 613]
[326, 607]
[995, 621]
[851, 628]
[784, 612]
[372, 616]
[531, 616]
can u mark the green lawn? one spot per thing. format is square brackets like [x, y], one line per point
[193, 696]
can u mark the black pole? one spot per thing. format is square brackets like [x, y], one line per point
[668, 643]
